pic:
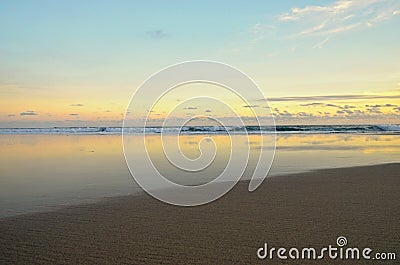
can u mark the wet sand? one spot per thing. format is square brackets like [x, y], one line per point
[302, 210]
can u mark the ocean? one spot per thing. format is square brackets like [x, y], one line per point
[373, 129]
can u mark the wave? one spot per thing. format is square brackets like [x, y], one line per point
[280, 129]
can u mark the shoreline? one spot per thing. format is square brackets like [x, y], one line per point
[304, 209]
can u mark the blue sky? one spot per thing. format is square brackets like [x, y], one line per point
[55, 54]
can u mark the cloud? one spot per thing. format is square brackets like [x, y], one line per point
[11, 115]
[190, 108]
[312, 104]
[351, 111]
[344, 107]
[207, 110]
[348, 111]
[287, 114]
[359, 112]
[340, 16]
[348, 107]
[73, 114]
[28, 113]
[299, 13]
[374, 110]
[260, 32]
[77, 105]
[284, 113]
[157, 34]
[332, 97]
[381, 106]
[304, 114]
[321, 44]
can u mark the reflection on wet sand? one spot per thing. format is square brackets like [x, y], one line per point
[38, 172]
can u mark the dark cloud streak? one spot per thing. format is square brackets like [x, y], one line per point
[331, 97]
[28, 113]
[157, 34]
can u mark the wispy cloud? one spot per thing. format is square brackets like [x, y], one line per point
[340, 16]
[333, 97]
[157, 34]
[77, 105]
[321, 44]
[260, 32]
[367, 114]
[28, 113]
[73, 114]
[381, 105]
[297, 13]
[374, 110]
[324, 21]
[312, 104]
[343, 107]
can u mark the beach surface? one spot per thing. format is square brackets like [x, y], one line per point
[309, 209]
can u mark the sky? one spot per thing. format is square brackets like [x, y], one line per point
[77, 63]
